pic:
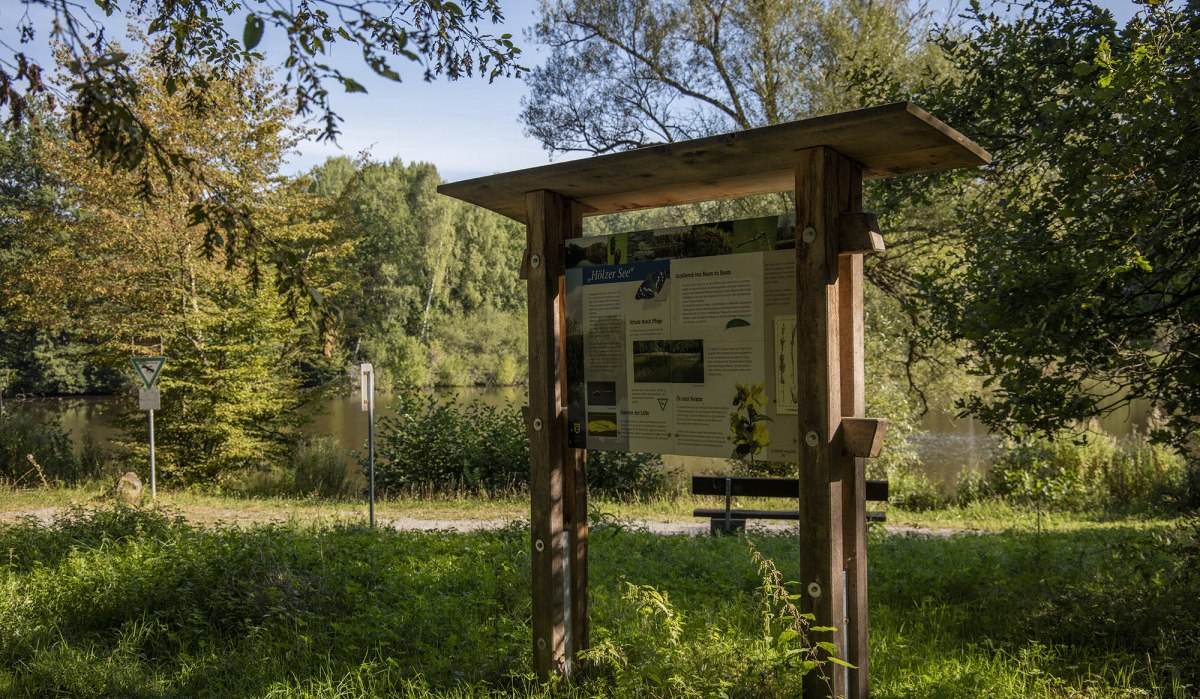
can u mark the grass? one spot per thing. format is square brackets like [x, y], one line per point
[138, 603]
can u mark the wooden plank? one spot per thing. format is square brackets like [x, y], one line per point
[758, 487]
[822, 194]
[858, 234]
[575, 517]
[887, 140]
[768, 514]
[548, 216]
[851, 350]
[863, 436]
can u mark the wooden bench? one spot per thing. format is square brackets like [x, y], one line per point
[728, 520]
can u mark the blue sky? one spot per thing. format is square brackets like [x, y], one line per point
[467, 128]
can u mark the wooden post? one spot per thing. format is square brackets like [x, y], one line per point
[853, 468]
[823, 193]
[557, 475]
[575, 511]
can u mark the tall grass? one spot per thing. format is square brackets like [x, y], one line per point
[37, 454]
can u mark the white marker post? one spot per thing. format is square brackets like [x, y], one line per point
[149, 399]
[367, 381]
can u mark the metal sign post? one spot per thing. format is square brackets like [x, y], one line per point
[367, 381]
[149, 399]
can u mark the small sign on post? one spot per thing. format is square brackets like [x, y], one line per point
[148, 369]
[149, 399]
[367, 381]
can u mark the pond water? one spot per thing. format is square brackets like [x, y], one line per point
[948, 446]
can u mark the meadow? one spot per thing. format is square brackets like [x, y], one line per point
[141, 602]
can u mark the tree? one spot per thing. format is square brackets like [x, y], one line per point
[427, 273]
[122, 275]
[1077, 287]
[628, 73]
[197, 44]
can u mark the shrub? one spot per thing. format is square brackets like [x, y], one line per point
[441, 446]
[909, 489]
[315, 466]
[1100, 471]
[623, 476]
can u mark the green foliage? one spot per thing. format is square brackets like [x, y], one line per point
[204, 43]
[426, 273]
[1102, 473]
[33, 359]
[128, 602]
[319, 468]
[441, 446]
[654, 651]
[627, 476]
[438, 444]
[231, 398]
[465, 356]
[35, 453]
[1073, 292]
[315, 467]
[622, 74]
[910, 489]
[104, 276]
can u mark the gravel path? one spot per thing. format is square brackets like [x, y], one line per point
[664, 528]
[676, 528]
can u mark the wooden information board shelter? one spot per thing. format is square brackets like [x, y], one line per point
[825, 160]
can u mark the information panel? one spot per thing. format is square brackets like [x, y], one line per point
[683, 340]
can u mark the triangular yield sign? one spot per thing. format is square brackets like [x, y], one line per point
[148, 368]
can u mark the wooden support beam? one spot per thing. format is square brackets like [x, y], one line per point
[575, 497]
[859, 234]
[863, 436]
[851, 344]
[823, 193]
[551, 219]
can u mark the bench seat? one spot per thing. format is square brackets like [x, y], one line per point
[727, 519]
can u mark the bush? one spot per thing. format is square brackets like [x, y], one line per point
[1101, 472]
[315, 466]
[623, 476]
[441, 446]
[34, 453]
[909, 489]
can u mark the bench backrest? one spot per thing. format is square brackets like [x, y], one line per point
[747, 486]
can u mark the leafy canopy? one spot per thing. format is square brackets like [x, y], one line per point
[628, 73]
[196, 44]
[1077, 286]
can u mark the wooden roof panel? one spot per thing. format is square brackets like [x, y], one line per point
[889, 140]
